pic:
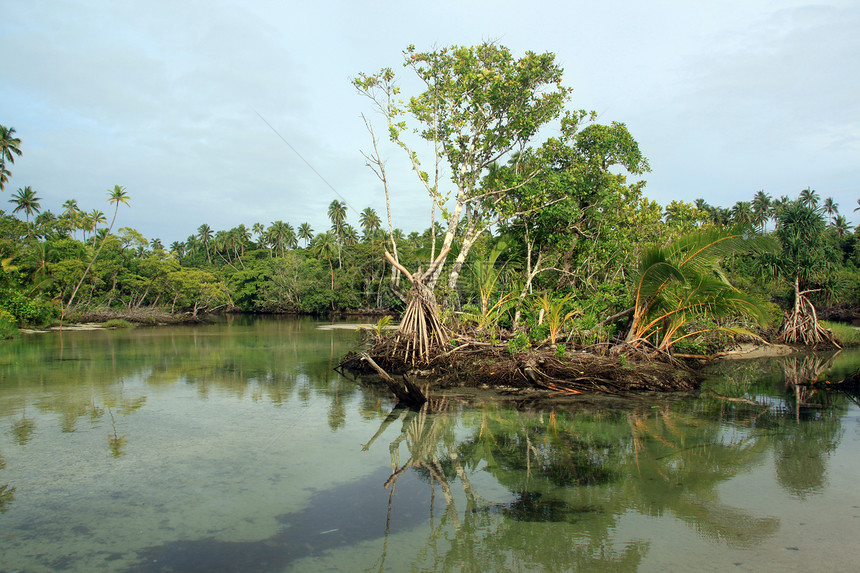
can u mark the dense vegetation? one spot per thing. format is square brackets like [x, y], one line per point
[541, 241]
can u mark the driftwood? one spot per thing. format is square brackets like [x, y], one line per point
[406, 392]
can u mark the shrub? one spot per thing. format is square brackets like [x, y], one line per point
[117, 323]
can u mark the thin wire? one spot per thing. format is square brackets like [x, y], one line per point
[307, 163]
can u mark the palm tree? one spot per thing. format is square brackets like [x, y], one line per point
[858, 207]
[277, 235]
[742, 213]
[761, 206]
[680, 282]
[369, 221]
[178, 249]
[337, 214]
[26, 201]
[116, 196]
[204, 233]
[841, 225]
[96, 217]
[306, 233]
[831, 208]
[10, 146]
[809, 197]
[259, 229]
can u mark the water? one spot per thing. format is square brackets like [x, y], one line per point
[236, 447]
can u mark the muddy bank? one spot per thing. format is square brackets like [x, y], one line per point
[484, 366]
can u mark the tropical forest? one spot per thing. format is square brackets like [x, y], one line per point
[540, 236]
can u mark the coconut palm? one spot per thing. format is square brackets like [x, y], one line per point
[10, 147]
[841, 225]
[204, 234]
[25, 200]
[809, 197]
[682, 281]
[116, 196]
[761, 206]
[369, 221]
[742, 214]
[337, 214]
[306, 233]
[831, 208]
[177, 248]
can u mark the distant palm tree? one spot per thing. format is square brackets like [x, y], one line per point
[259, 229]
[742, 213]
[178, 249]
[26, 201]
[306, 233]
[156, 244]
[858, 207]
[204, 234]
[10, 147]
[761, 205]
[831, 208]
[809, 197]
[369, 221]
[337, 214]
[841, 225]
[116, 196]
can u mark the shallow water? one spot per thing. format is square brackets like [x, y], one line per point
[236, 447]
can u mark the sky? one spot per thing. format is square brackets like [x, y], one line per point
[180, 101]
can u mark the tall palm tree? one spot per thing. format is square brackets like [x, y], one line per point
[116, 196]
[204, 234]
[761, 206]
[10, 147]
[809, 197]
[96, 217]
[742, 213]
[841, 225]
[306, 233]
[337, 214]
[26, 201]
[369, 221]
[831, 208]
[178, 249]
[259, 229]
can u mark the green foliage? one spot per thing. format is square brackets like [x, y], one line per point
[117, 323]
[519, 343]
[27, 310]
[682, 282]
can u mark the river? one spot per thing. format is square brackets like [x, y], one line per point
[235, 446]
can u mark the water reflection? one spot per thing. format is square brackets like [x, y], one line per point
[312, 466]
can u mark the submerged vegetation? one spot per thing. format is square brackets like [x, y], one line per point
[533, 244]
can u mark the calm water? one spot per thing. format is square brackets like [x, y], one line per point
[235, 447]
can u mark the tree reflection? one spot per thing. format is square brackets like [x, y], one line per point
[573, 473]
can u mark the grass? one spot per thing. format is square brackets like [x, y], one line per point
[845, 334]
[117, 323]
